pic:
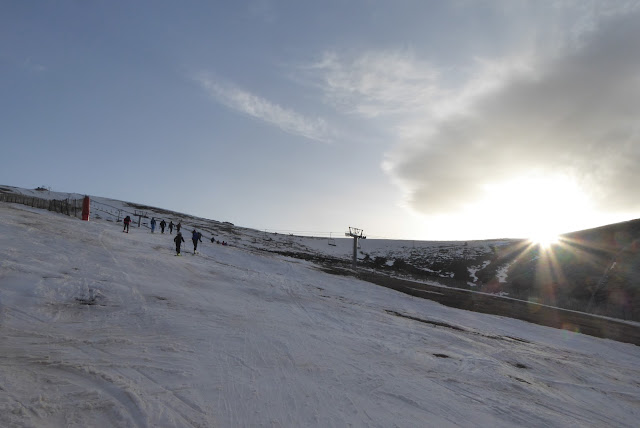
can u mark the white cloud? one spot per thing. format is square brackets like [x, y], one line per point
[247, 103]
[576, 117]
[567, 109]
[377, 83]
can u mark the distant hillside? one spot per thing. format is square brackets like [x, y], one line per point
[595, 270]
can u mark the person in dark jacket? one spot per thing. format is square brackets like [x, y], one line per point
[178, 226]
[127, 221]
[170, 227]
[153, 224]
[195, 237]
[162, 225]
[178, 240]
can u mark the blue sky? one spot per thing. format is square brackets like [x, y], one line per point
[408, 119]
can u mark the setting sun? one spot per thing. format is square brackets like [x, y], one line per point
[544, 240]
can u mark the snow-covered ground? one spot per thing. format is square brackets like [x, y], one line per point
[420, 254]
[99, 328]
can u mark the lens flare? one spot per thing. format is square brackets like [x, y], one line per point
[544, 240]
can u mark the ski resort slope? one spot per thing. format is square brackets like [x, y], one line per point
[99, 328]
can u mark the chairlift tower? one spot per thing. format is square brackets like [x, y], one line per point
[356, 234]
[140, 214]
[332, 241]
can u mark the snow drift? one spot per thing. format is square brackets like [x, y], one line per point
[101, 328]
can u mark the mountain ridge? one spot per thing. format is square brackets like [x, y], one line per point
[594, 270]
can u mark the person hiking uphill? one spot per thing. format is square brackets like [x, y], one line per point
[162, 225]
[127, 221]
[195, 237]
[170, 227]
[153, 224]
[178, 240]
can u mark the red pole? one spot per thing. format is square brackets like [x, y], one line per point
[85, 208]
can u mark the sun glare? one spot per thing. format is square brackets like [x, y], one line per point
[543, 240]
[535, 206]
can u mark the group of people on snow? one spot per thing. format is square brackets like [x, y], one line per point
[163, 224]
[195, 238]
[179, 239]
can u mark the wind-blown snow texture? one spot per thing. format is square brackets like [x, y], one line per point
[101, 328]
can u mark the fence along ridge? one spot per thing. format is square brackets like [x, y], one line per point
[70, 207]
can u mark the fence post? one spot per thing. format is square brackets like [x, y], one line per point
[86, 208]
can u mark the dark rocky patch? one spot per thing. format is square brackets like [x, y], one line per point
[436, 323]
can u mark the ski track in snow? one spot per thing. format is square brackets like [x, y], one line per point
[100, 328]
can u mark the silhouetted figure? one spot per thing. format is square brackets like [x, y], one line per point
[178, 240]
[162, 225]
[153, 224]
[170, 227]
[195, 237]
[127, 221]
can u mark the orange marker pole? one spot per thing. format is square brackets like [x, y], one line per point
[86, 208]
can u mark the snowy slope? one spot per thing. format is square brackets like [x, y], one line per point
[419, 252]
[100, 328]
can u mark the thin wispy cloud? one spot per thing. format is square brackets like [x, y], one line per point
[376, 83]
[410, 95]
[266, 111]
[33, 67]
[263, 10]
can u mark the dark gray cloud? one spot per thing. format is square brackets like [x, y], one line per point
[576, 114]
